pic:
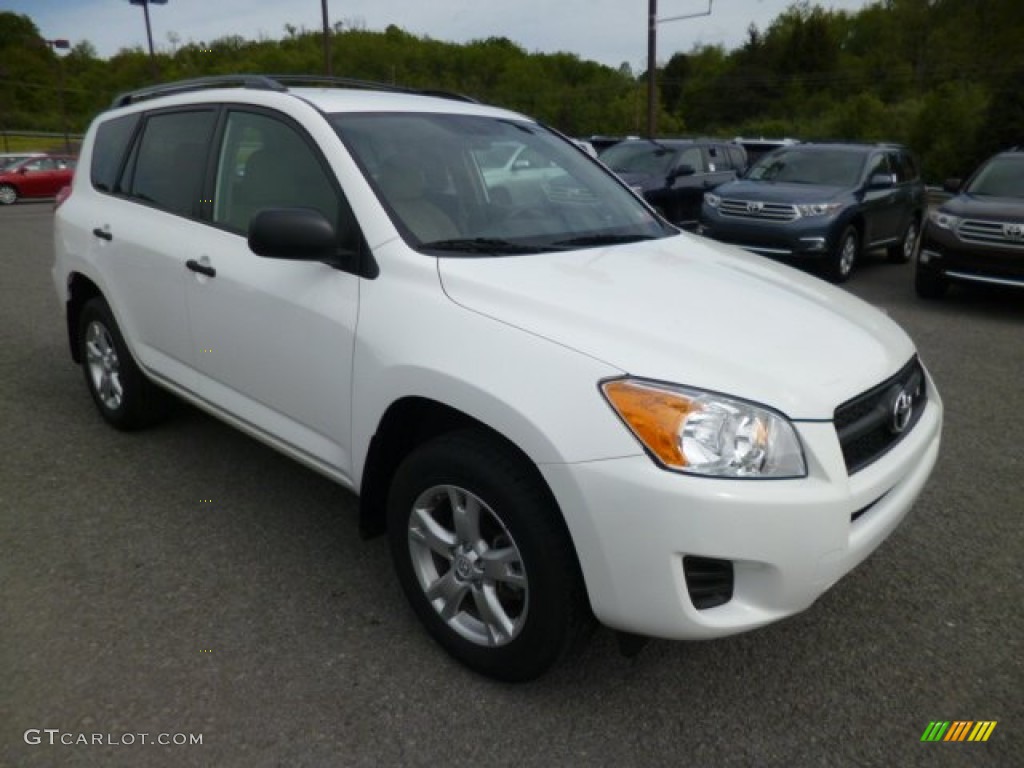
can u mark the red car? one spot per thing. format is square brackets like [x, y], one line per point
[36, 177]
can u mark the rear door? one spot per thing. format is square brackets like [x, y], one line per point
[143, 229]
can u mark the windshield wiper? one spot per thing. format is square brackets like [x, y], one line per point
[491, 245]
[604, 239]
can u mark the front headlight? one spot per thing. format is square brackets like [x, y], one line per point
[712, 199]
[818, 209]
[704, 433]
[943, 220]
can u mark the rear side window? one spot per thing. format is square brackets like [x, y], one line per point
[112, 139]
[171, 159]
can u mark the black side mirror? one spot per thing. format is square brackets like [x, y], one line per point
[952, 185]
[301, 234]
[682, 170]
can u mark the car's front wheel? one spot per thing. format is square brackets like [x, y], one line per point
[483, 556]
[904, 251]
[8, 194]
[844, 257]
[122, 393]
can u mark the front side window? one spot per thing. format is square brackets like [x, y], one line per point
[266, 163]
[170, 160]
[476, 185]
[42, 164]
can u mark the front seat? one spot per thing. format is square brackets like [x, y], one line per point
[403, 185]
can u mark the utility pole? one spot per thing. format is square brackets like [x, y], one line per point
[327, 39]
[652, 59]
[149, 30]
[61, 45]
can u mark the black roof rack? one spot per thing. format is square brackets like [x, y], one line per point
[277, 83]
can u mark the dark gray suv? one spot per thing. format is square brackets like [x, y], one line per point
[824, 203]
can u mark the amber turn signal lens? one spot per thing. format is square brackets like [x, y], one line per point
[655, 417]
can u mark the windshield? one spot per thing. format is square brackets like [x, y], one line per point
[823, 167]
[473, 185]
[1000, 177]
[639, 157]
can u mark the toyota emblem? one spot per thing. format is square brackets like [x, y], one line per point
[1014, 231]
[902, 410]
[754, 207]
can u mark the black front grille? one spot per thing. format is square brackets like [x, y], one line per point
[708, 580]
[873, 422]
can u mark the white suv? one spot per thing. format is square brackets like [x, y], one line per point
[559, 406]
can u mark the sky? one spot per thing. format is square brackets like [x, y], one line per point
[607, 31]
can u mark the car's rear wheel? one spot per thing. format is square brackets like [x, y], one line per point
[904, 251]
[8, 194]
[125, 398]
[483, 556]
[844, 257]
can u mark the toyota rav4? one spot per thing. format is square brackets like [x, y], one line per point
[556, 405]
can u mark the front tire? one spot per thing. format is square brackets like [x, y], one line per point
[8, 194]
[125, 398]
[483, 556]
[844, 258]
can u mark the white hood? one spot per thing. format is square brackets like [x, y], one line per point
[689, 311]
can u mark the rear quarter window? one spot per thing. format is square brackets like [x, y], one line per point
[112, 140]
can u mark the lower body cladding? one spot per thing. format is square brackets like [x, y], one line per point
[654, 545]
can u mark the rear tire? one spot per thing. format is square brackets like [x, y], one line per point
[906, 249]
[8, 194]
[484, 557]
[125, 398]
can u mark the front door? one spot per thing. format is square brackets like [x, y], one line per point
[274, 338]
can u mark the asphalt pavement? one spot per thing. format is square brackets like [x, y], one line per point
[189, 582]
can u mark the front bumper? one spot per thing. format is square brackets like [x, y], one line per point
[812, 237]
[788, 540]
[944, 254]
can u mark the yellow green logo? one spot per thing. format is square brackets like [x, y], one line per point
[958, 730]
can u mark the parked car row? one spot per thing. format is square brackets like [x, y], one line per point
[34, 175]
[827, 205]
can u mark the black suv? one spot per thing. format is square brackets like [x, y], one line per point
[978, 236]
[823, 202]
[673, 174]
